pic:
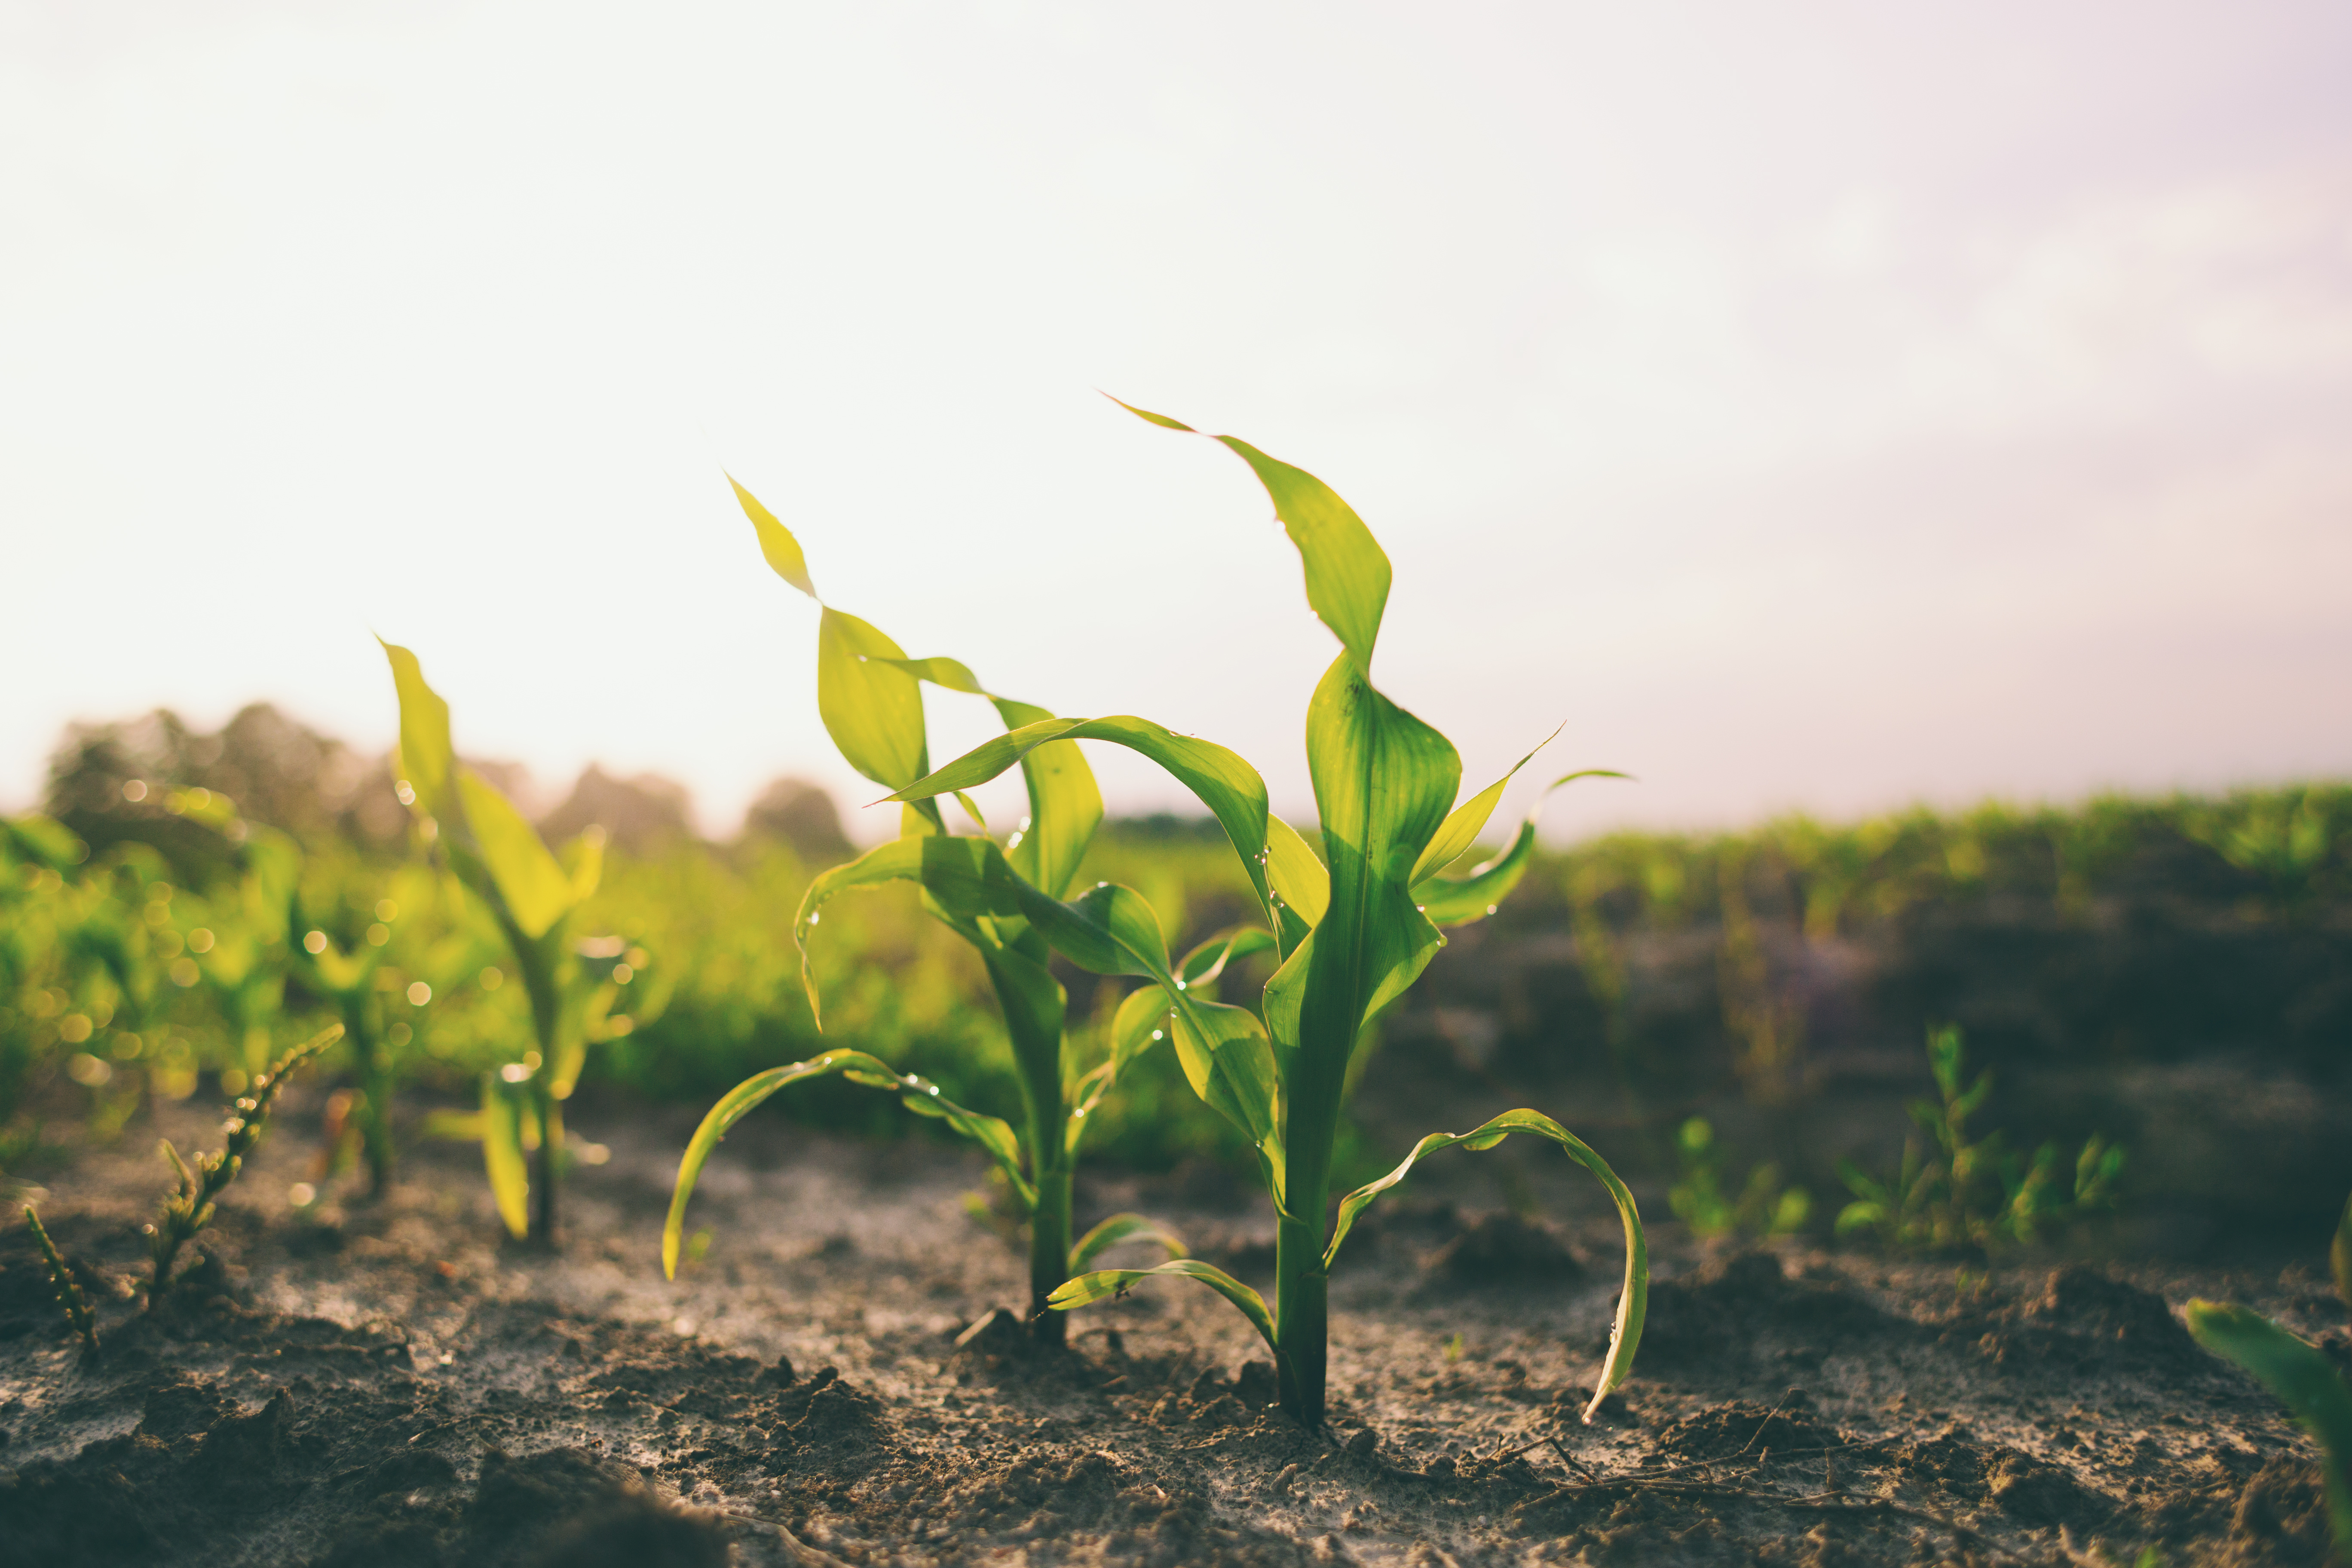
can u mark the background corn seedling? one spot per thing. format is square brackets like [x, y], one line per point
[191, 1208]
[534, 900]
[1352, 931]
[870, 696]
[1960, 1192]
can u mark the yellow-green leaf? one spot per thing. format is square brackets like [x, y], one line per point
[872, 708]
[533, 887]
[776, 542]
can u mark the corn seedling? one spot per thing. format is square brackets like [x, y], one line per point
[1764, 1207]
[2339, 1255]
[1349, 940]
[534, 898]
[869, 694]
[2303, 1379]
[69, 1297]
[1963, 1193]
[191, 1208]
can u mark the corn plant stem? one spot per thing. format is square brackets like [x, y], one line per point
[544, 1164]
[362, 1023]
[1049, 1254]
[1302, 1315]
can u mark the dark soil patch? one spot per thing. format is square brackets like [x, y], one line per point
[392, 1385]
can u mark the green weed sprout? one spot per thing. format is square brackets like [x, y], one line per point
[2303, 1379]
[1349, 941]
[2340, 1254]
[1764, 1207]
[533, 897]
[1972, 1193]
[68, 1288]
[191, 1208]
[869, 694]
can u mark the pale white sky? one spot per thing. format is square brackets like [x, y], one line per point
[1813, 405]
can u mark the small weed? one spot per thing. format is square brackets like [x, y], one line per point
[191, 1208]
[1764, 1207]
[70, 1296]
[1454, 1348]
[1963, 1193]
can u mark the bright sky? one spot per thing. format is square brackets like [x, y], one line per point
[1820, 405]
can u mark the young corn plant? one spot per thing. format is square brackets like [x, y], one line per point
[498, 857]
[191, 1208]
[1964, 1192]
[1349, 939]
[869, 694]
[74, 1305]
[2299, 1374]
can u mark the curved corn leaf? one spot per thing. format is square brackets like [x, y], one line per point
[1205, 964]
[1222, 781]
[1632, 1304]
[1066, 805]
[776, 542]
[916, 1094]
[583, 863]
[1347, 571]
[1123, 1227]
[1087, 1288]
[1453, 901]
[1300, 885]
[1462, 824]
[873, 711]
[530, 884]
[1107, 930]
[1141, 1019]
[503, 1155]
[2300, 1376]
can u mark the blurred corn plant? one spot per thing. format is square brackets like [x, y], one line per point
[533, 897]
[1957, 1192]
[2300, 1374]
[1350, 931]
[1701, 1196]
[869, 694]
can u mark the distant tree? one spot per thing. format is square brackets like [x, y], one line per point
[108, 781]
[639, 815]
[803, 815]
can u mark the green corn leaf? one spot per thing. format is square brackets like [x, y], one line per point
[1459, 902]
[1034, 1004]
[1142, 1020]
[503, 1155]
[1222, 781]
[530, 884]
[1347, 571]
[584, 864]
[1462, 824]
[871, 707]
[1229, 1061]
[2300, 1377]
[1087, 1288]
[1633, 1304]
[1066, 805]
[1123, 1227]
[1453, 901]
[776, 542]
[1383, 781]
[1107, 930]
[1298, 880]
[1205, 964]
[953, 674]
[918, 1094]
[2339, 1252]
[428, 761]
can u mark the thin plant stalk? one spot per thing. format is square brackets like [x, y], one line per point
[190, 1209]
